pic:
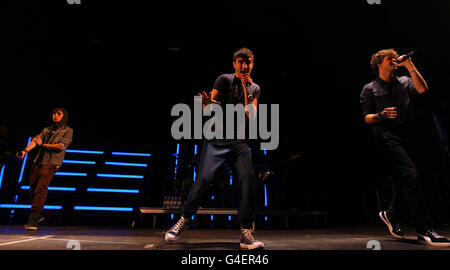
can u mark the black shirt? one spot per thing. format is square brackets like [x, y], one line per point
[232, 92]
[380, 94]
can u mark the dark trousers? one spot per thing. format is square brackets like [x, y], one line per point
[212, 157]
[408, 198]
[40, 179]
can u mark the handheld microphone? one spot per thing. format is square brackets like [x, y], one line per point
[407, 56]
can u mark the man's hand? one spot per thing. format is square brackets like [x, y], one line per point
[408, 64]
[389, 112]
[207, 99]
[245, 78]
[21, 154]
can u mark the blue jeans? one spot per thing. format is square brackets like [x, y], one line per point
[213, 155]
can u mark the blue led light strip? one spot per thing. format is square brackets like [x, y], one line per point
[54, 188]
[195, 153]
[120, 175]
[70, 174]
[131, 154]
[84, 152]
[265, 195]
[126, 164]
[265, 189]
[176, 159]
[24, 163]
[1, 175]
[102, 208]
[28, 206]
[113, 190]
[79, 162]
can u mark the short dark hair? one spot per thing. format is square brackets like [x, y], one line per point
[378, 57]
[244, 52]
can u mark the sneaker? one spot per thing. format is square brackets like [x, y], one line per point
[395, 228]
[175, 232]
[247, 240]
[432, 238]
[40, 218]
[32, 224]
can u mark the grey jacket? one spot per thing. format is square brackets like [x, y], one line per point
[62, 136]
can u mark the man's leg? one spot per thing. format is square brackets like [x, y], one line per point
[247, 186]
[33, 181]
[40, 179]
[406, 176]
[212, 158]
[41, 190]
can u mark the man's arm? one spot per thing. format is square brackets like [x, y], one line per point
[387, 113]
[419, 82]
[36, 141]
[209, 98]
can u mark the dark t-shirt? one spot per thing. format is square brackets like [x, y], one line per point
[232, 92]
[380, 94]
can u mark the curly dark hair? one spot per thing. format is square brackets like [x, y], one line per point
[244, 52]
[378, 57]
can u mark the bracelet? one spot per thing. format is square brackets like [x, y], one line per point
[380, 115]
[412, 70]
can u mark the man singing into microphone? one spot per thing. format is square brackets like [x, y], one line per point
[52, 143]
[386, 107]
[234, 88]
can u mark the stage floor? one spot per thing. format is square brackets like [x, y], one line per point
[100, 238]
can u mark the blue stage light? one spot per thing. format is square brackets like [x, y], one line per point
[113, 190]
[84, 152]
[24, 163]
[79, 162]
[265, 195]
[2, 171]
[71, 174]
[54, 188]
[126, 164]
[131, 154]
[110, 175]
[102, 208]
[28, 206]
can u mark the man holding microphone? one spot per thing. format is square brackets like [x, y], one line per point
[386, 107]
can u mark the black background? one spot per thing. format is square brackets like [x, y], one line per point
[120, 66]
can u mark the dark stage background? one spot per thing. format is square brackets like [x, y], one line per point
[120, 66]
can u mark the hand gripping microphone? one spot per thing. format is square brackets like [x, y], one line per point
[407, 56]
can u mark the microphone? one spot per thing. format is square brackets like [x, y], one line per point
[407, 56]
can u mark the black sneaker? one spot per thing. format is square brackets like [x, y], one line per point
[175, 232]
[395, 228]
[432, 238]
[32, 224]
[247, 240]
